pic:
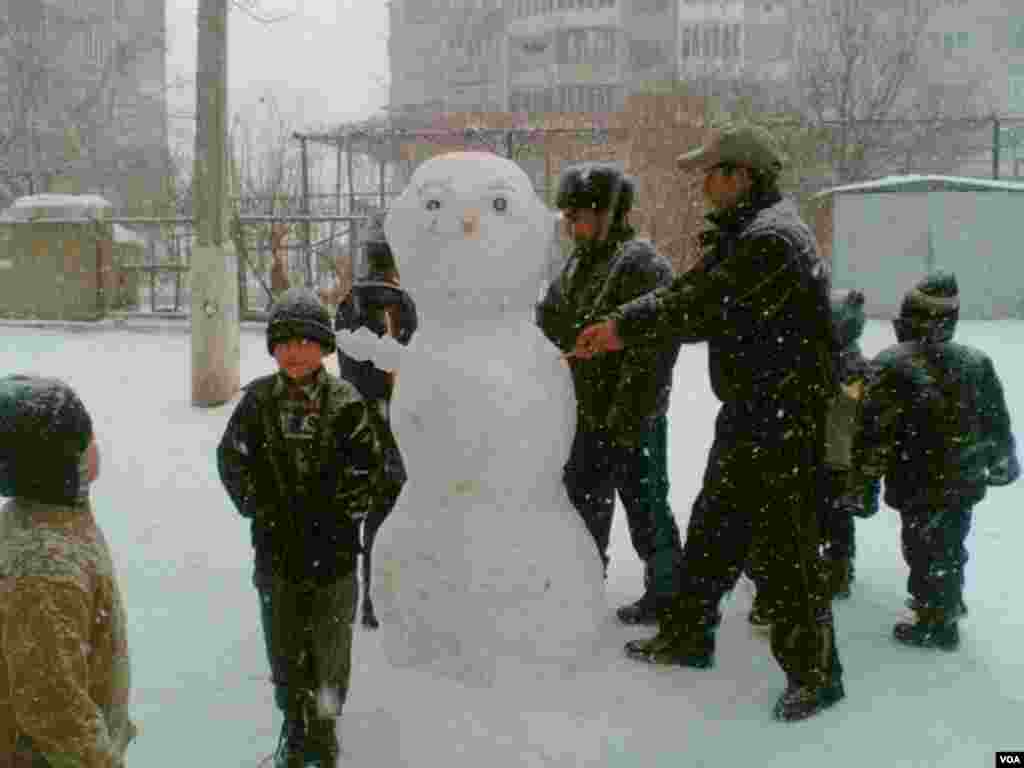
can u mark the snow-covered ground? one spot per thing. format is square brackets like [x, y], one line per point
[201, 694]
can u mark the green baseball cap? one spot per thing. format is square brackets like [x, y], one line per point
[736, 144]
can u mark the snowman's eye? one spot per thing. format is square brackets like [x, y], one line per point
[433, 204]
[500, 204]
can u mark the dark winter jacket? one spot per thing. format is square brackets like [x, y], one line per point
[304, 524]
[623, 391]
[935, 425]
[760, 299]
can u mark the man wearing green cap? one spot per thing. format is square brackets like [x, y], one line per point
[760, 300]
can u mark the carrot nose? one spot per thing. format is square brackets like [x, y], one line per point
[471, 223]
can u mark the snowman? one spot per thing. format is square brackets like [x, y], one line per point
[484, 565]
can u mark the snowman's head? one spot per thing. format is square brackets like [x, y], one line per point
[470, 236]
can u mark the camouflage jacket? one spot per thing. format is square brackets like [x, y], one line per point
[622, 391]
[304, 478]
[760, 299]
[935, 425]
[64, 672]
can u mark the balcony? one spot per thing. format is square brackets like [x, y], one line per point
[549, 21]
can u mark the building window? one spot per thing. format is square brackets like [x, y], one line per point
[722, 41]
[1017, 35]
[646, 54]
[581, 46]
[955, 41]
[1015, 83]
[1016, 100]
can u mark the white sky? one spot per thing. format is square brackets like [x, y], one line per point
[325, 63]
[200, 688]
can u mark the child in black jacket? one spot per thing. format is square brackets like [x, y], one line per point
[936, 428]
[302, 457]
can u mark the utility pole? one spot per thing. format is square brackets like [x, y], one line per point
[350, 169]
[307, 249]
[216, 354]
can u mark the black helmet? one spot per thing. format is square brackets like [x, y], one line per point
[44, 430]
[299, 313]
[600, 186]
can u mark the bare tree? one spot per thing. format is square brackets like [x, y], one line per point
[268, 171]
[855, 62]
[61, 71]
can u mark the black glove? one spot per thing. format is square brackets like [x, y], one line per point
[1004, 471]
[365, 309]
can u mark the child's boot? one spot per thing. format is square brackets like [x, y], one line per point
[934, 628]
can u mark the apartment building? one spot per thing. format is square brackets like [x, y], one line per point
[588, 55]
[518, 55]
[973, 56]
[82, 95]
[574, 55]
[566, 55]
[447, 55]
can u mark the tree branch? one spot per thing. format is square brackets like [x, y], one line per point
[250, 9]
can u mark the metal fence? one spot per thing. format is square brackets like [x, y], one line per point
[987, 146]
[162, 283]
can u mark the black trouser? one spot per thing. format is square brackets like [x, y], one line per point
[933, 546]
[598, 467]
[838, 536]
[762, 483]
[307, 629]
[836, 527]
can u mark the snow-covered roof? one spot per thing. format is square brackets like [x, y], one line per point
[928, 183]
[125, 235]
[57, 207]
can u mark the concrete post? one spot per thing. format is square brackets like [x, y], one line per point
[216, 354]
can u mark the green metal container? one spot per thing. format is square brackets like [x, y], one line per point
[57, 258]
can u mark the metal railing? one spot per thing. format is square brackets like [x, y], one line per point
[175, 290]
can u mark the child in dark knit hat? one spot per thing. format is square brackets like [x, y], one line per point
[936, 428]
[377, 302]
[302, 457]
[372, 297]
[57, 706]
[838, 508]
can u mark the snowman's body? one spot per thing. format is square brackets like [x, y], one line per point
[483, 559]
